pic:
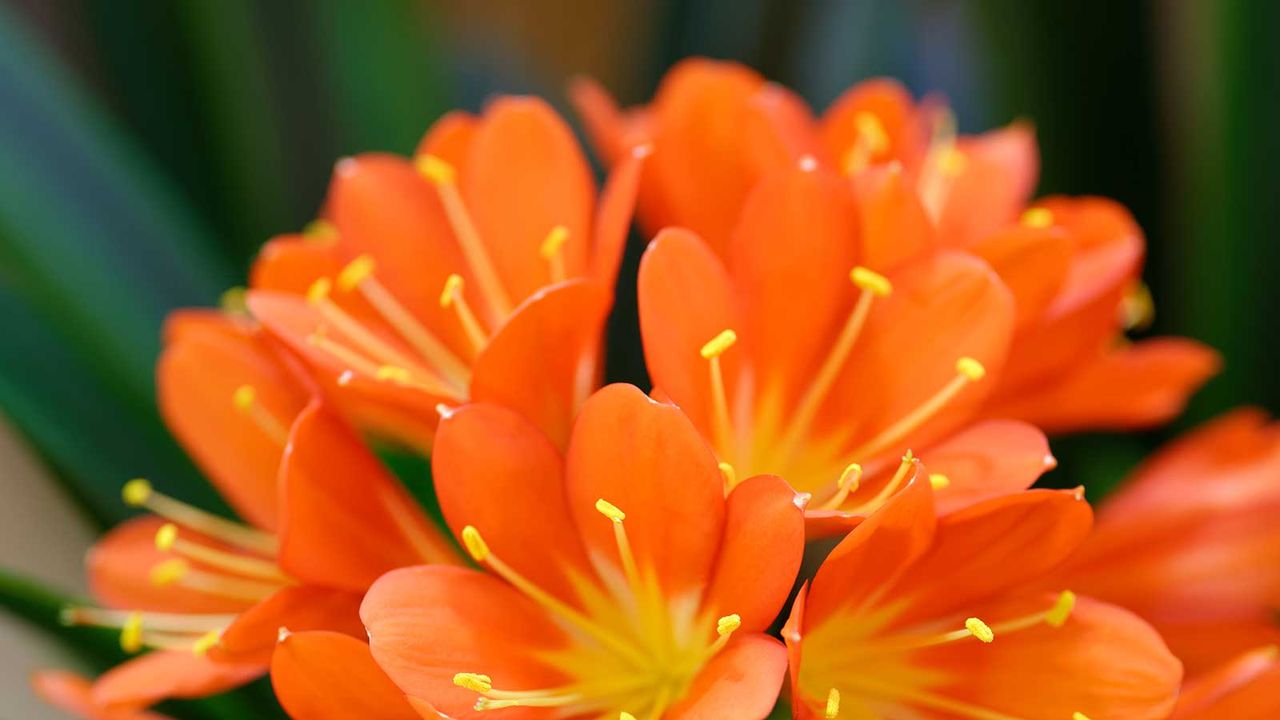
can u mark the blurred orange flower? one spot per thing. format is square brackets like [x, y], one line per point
[208, 594]
[1247, 688]
[73, 694]
[457, 276]
[621, 581]
[1191, 542]
[915, 616]
[1073, 264]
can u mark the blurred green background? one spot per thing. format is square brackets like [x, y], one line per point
[148, 147]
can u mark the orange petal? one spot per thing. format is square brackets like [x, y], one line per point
[988, 459]
[648, 460]
[343, 534]
[761, 552]
[495, 471]
[524, 176]
[119, 572]
[741, 682]
[790, 256]
[891, 104]
[556, 337]
[605, 125]
[1104, 662]
[1033, 262]
[1247, 688]
[450, 138]
[170, 674]
[872, 556]
[685, 300]
[780, 128]
[197, 376]
[989, 549]
[251, 637]
[613, 218]
[291, 263]
[71, 693]
[1000, 172]
[475, 623]
[328, 676]
[1136, 386]
[894, 224]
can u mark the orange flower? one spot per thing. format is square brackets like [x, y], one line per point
[793, 358]
[910, 616]
[1190, 542]
[208, 594]
[621, 581]
[73, 694]
[1247, 688]
[458, 276]
[1073, 264]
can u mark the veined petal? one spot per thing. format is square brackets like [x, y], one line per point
[329, 676]
[988, 459]
[291, 263]
[894, 225]
[169, 674]
[1032, 262]
[450, 138]
[740, 682]
[1000, 172]
[251, 636]
[1247, 688]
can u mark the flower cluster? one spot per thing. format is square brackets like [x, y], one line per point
[858, 327]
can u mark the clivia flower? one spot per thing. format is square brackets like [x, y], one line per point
[794, 358]
[456, 276]
[206, 595]
[1191, 542]
[1247, 688]
[1073, 264]
[912, 616]
[618, 580]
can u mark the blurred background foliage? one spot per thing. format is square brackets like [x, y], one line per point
[148, 147]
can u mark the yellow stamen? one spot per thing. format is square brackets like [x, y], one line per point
[139, 493]
[1061, 610]
[625, 554]
[850, 480]
[245, 399]
[871, 140]
[167, 538]
[232, 301]
[832, 710]
[609, 510]
[319, 290]
[728, 624]
[393, 373]
[477, 548]
[451, 297]
[206, 642]
[1137, 308]
[475, 682]
[968, 371]
[870, 280]
[979, 629]
[711, 352]
[168, 572]
[223, 585]
[166, 622]
[131, 634]
[624, 715]
[1079, 716]
[418, 379]
[730, 476]
[551, 251]
[939, 481]
[443, 177]
[320, 231]
[899, 477]
[356, 272]
[1037, 217]
[954, 162]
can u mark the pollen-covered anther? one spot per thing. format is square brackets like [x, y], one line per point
[319, 290]
[131, 633]
[971, 369]
[435, 169]
[475, 682]
[979, 629]
[1037, 217]
[729, 475]
[168, 572]
[356, 272]
[393, 373]
[609, 510]
[832, 710]
[624, 715]
[477, 548]
[232, 300]
[953, 162]
[243, 397]
[1061, 610]
[716, 346]
[207, 642]
[939, 481]
[452, 288]
[554, 242]
[728, 624]
[1079, 716]
[871, 281]
[166, 536]
[136, 492]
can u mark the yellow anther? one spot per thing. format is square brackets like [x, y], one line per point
[232, 301]
[168, 572]
[954, 162]
[1079, 716]
[609, 510]
[717, 345]
[453, 286]
[475, 682]
[871, 131]
[730, 475]
[131, 633]
[850, 478]
[356, 271]
[392, 372]
[970, 368]
[728, 624]
[320, 230]
[833, 705]
[136, 492]
[1061, 610]
[624, 715]
[979, 629]
[938, 480]
[435, 169]
[556, 239]
[207, 641]
[871, 281]
[319, 290]
[166, 536]
[476, 546]
[243, 397]
[1137, 308]
[1037, 217]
